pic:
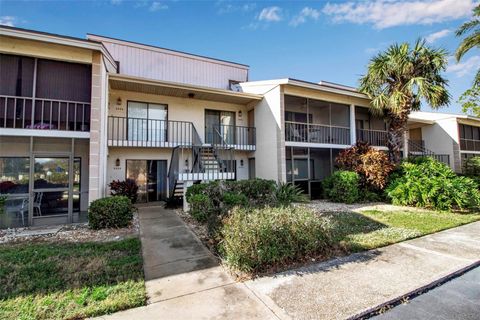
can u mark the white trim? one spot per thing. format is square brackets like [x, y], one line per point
[469, 152]
[44, 133]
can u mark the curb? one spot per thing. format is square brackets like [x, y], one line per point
[374, 311]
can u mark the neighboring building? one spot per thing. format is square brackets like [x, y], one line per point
[451, 138]
[76, 114]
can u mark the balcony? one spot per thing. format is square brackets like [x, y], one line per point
[316, 133]
[469, 144]
[139, 132]
[377, 138]
[227, 136]
[44, 114]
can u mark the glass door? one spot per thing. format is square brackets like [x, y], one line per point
[51, 195]
[137, 113]
[151, 178]
[219, 127]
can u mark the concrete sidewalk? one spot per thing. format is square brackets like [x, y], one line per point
[345, 287]
[183, 279]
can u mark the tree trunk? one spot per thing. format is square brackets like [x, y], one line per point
[396, 129]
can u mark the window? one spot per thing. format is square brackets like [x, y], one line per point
[14, 174]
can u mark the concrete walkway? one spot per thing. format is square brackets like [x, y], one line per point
[345, 287]
[183, 279]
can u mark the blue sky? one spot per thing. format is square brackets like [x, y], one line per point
[308, 40]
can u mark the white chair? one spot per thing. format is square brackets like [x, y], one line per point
[37, 202]
[19, 209]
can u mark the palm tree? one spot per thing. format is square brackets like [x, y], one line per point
[471, 41]
[397, 80]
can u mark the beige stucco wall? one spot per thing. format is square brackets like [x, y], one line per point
[179, 109]
[44, 50]
[128, 153]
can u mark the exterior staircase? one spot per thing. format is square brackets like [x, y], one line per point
[416, 148]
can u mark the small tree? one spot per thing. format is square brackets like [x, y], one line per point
[398, 80]
[372, 165]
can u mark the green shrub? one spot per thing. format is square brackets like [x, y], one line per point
[471, 166]
[200, 207]
[287, 193]
[342, 186]
[231, 199]
[210, 202]
[110, 212]
[259, 192]
[255, 240]
[425, 182]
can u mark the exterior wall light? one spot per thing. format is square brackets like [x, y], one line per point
[117, 162]
[241, 162]
[119, 101]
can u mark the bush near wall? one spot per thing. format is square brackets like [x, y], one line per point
[211, 202]
[425, 182]
[110, 212]
[342, 186]
[255, 239]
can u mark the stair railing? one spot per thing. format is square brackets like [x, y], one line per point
[222, 152]
[417, 148]
[173, 171]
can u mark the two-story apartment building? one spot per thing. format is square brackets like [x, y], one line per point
[456, 137]
[77, 114]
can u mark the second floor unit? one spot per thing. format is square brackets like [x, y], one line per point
[49, 82]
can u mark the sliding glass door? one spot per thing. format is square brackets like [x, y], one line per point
[147, 121]
[219, 127]
[151, 178]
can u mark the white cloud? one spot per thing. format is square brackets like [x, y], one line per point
[226, 7]
[305, 13]
[8, 21]
[270, 14]
[390, 13]
[115, 2]
[461, 69]
[431, 38]
[157, 5]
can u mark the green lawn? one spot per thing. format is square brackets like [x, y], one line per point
[372, 229]
[70, 280]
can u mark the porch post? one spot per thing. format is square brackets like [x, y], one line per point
[186, 185]
[353, 130]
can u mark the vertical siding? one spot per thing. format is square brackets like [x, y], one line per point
[169, 66]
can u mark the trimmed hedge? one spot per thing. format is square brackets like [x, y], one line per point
[110, 212]
[425, 182]
[255, 239]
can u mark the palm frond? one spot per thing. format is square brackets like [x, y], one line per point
[467, 44]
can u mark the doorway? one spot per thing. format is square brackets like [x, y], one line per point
[151, 178]
[219, 127]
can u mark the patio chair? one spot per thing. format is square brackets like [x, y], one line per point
[19, 209]
[37, 202]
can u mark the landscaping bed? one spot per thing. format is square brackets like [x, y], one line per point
[254, 238]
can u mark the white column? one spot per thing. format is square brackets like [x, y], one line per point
[186, 185]
[405, 144]
[353, 130]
